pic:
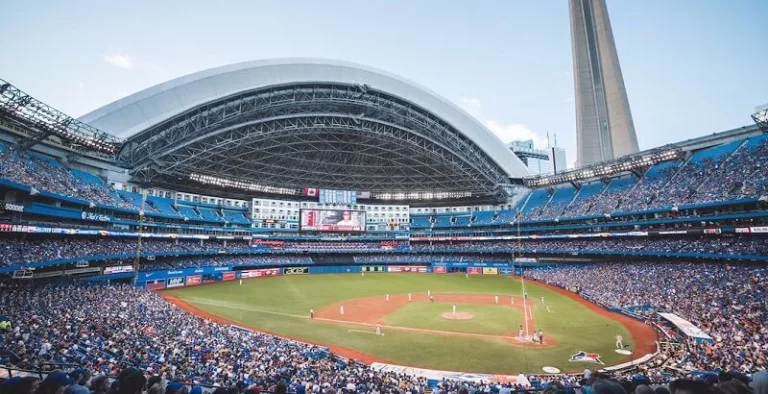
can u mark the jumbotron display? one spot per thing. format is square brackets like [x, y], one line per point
[333, 220]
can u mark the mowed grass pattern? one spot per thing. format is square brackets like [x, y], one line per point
[486, 319]
[282, 304]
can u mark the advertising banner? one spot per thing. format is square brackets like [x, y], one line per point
[407, 268]
[229, 275]
[118, 269]
[194, 280]
[759, 230]
[175, 282]
[490, 271]
[260, 273]
[372, 268]
[440, 269]
[295, 270]
[267, 243]
[474, 270]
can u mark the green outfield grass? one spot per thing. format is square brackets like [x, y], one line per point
[282, 304]
[486, 319]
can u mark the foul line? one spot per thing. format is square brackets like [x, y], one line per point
[243, 308]
[363, 332]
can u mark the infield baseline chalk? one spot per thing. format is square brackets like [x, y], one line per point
[363, 332]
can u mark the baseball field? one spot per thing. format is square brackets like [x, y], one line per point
[481, 336]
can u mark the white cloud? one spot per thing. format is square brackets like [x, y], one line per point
[507, 132]
[515, 131]
[121, 61]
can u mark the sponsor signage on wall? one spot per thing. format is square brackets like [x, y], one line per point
[295, 270]
[372, 268]
[407, 268]
[474, 270]
[490, 271]
[260, 273]
[440, 269]
[175, 282]
[6, 206]
[759, 230]
[194, 280]
[118, 269]
[229, 275]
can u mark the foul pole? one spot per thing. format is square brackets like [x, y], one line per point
[522, 279]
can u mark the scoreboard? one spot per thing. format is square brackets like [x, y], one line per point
[343, 197]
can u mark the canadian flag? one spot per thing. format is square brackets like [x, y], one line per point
[310, 191]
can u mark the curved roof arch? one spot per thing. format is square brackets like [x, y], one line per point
[155, 109]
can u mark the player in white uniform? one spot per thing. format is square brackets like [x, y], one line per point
[409, 297]
[429, 293]
[542, 299]
[520, 332]
[619, 342]
[312, 313]
[496, 299]
[454, 309]
[241, 282]
[378, 329]
[341, 310]
[387, 297]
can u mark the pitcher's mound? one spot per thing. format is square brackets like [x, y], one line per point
[457, 315]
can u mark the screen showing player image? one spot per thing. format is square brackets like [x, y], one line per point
[332, 220]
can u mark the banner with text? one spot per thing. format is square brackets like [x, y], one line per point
[407, 268]
[260, 273]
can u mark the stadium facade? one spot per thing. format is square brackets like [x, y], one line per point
[604, 126]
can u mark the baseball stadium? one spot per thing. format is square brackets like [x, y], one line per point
[312, 225]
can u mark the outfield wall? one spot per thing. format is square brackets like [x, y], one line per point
[166, 279]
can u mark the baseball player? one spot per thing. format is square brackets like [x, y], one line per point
[341, 310]
[454, 309]
[520, 332]
[241, 282]
[619, 342]
[512, 300]
[409, 297]
[542, 299]
[387, 297]
[541, 337]
[496, 299]
[432, 299]
[429, 293]
[312, 313]
[378, 329]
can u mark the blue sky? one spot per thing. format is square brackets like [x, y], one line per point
[691, 67]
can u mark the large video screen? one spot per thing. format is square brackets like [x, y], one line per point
[339, 220]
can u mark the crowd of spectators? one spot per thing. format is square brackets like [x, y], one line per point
[138, 337]
[16, 251]
[46, 174]
[704, 245]
[105, 329]
[730, 303]
[228, 261]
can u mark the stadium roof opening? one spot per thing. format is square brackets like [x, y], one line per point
[306, 123]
